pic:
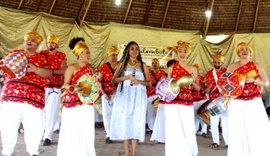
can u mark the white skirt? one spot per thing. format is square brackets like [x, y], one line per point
[77, 135]
[179, 131]
[249, 128]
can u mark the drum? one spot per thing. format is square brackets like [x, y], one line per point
[167, 89]
[218, 105]
[204, 113]
[231, 84]
[89, 88]
[155, 104]
[164, 91]
[15, 64]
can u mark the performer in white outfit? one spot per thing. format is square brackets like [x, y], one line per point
[77, 134]
[249, 125]
[179, 113]
[56, 63]
[106, 72]
[211, 83]
[22, 100]
[129, 110]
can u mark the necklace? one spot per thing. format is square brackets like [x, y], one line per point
[132, 63]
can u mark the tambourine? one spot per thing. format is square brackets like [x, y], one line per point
[89, 88]
[15, 64]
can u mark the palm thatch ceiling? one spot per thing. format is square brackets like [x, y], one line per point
[228, 16]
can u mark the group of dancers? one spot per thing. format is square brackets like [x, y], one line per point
[129, 102]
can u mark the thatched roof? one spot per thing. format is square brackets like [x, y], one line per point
[228, 15]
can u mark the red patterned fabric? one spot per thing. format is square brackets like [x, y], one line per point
[108, 87]
[184, 97]
[159, 75]
[55, 61]
[250, 89]
[28, 89]
[199, 95]
[210, 82]
[72, 99]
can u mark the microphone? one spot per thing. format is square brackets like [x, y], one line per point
[133, 74]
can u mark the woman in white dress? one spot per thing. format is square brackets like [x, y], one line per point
[129, 111]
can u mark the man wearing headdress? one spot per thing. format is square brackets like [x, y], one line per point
[56, 63]
[180, 138]
[199, 98]
[156, 74]
[212, 89]
[106, 71]
[23, 100]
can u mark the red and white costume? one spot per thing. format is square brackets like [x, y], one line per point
[249, 125]
[77, 135]
[180, 138]
[213, 94]
[52, 92]
[23, 101]
[109, 88]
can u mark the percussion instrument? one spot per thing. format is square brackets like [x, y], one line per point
[155, 104]
[14, 64]
[88, 88]
[204, 113]
[231, 84]
[167, 89]
[218, 105]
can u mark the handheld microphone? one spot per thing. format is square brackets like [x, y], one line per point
[133, 74]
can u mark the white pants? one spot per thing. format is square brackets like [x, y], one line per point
[150, 112]
[159, 125]
[179, 131]
[249, 128]
[214, 122]
[52, 106]
[198, 120]
[11, 115]
[77, 134]
[106, 113]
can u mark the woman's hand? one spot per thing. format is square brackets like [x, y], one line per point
[250, 80]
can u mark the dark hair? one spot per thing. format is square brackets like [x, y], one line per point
[74, 41]
[170, 62]
[125, 58]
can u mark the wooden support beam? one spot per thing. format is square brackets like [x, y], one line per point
[256, 15]
[53, 3]
[166, 12]
[145, 19]
[84, 10]
[238, 15]
[207, 19]
[21, 2]
[128, 9]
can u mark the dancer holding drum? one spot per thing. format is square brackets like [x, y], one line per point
[211, 78]
[56, 63]
[249, 125]
[156, 74]
[130, 102]
[179, 114]
[22, 100]
[77, 134]
[106, 72]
